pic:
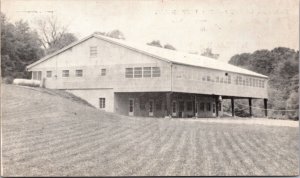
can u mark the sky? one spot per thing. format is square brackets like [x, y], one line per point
[228, 27]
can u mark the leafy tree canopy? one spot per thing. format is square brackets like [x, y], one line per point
[282, 66]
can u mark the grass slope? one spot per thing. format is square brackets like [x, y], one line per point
[49, 135]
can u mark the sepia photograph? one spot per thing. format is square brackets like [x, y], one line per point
[149, 88]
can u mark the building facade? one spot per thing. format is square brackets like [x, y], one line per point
[140, 80]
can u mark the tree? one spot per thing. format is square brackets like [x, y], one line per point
[168, 46]
[113, 34]
[281, 65]
[155, 43]
[208, 53]
[54, 35]
[20, 46]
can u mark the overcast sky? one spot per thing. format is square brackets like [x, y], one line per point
[227, 26]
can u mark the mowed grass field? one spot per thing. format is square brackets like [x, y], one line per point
[48, 134]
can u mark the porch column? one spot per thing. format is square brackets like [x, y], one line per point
[232, 107]
[195, 105]
[266, 107]
[217, 106]
[250, 107]
[168, 103]
[221, 106]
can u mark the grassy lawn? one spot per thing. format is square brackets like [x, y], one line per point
[46, 134]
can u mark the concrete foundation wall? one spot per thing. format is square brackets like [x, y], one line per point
[92, 97]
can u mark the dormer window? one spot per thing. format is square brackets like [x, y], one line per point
[93, 51]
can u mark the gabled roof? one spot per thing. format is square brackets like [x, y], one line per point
[167, 55]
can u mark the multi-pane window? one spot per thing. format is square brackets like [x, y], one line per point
[158, 105]
[129, 72]
[201, 106]
[138, 72]
[65, 73]
[103, 72]
[78, 73]
[147, 72]
[208, 107]
[214, 108]
[93, 51]
[101, 102]
[208, 78]
[49, 74]
[229, 79]
[174, 107]
[155, 72]
[189, 105]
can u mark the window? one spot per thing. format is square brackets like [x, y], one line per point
[189, 106]
[65, 73]
[250, 82]
[137, 72]
[78, 73]
[201, 106]
[101, 103]
[217, 79]
[34, 75]
[229, 79]
[129, 73]
[208, 107]
[103, 72]
[93, 51]
[214, 108]
[236, 80]
[263, 84]
[155, 72]
[147, 72]
[240, 80]
[203, 78]
[174, 107]
[158, 105]
[49, 74]
[208, 78]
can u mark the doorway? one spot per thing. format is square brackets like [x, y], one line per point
[131, 107]
[151, 105]
[181, 109]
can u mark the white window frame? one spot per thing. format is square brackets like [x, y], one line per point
[129, 72]
[65, 73]
[102, 103]
[103, 72]
[147, 72]
[138, 72]
[79, 73]
[93, 51]
[156, 72]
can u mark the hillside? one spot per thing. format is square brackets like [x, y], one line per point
[49, 134]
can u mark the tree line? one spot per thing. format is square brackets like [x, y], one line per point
[281, 65]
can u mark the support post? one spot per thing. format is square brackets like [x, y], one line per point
[217, 106]
[232, 107]
[250, 107]
[195, 105]
[266, 107]
[169, 104]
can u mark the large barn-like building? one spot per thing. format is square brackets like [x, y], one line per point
[140, 80]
